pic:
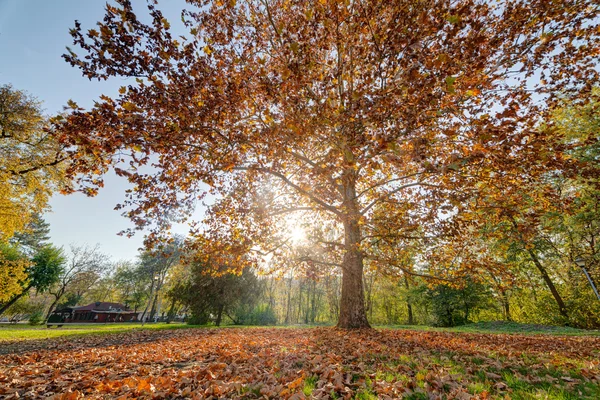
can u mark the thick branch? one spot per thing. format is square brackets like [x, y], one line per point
[291, 184]
[386, 195]
[385, 182]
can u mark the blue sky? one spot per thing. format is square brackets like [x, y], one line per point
[33, 36]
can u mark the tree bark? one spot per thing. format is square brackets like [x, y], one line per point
[313, 302]
[57, 296]
[409, 309]
[149, 301]
[300, 299]
[308, 295]
[289, 302]
[153, 309]
[51, 309]
[562, 308]
[506, 305]
[219, 314]
[171, 312]
[352, 304]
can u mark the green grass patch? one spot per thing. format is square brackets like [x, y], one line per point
[9, 332]
[20, 332]
[365, 395]
[310, 384]
[502, 327]
[478, 387]
[416, 396]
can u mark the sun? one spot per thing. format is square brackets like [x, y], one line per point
[297, 234]
[295, 230]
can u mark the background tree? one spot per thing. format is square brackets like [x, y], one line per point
[13, 274]
[40, 273]
[156, 264]
[175, 304]
[24, 307]
[82, 269]
[31, 160]
[332, 108]
[453, 306]
[34, 236]
[213, 293]
[132, 282]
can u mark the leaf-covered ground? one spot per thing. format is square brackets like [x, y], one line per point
[303, 363]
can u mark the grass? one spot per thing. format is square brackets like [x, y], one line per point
[310, 384]
[20, 332]
[485, 380]
[502, 327]
[9, 332]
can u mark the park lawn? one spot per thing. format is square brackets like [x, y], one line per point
[503, 327]
[298, 363]
[20, 332]
[17, 332]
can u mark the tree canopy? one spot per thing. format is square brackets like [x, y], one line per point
[13, 272]
[39, 273]
[34, 236]
[379, 119]
[30, 160]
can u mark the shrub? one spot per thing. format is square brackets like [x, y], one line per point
[198, 318]
[37, 318]
[260, 315]
[454, 306]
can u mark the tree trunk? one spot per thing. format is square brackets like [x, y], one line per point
[308, 296]
[506, 305]
[562, 308]
[171, 313]
[450, 316]
[153, 309]
[368, 288]
[148, 303]
[271, 293]
[219, 314]
[409, 309]
[313, 302]
[352, 304]
[333, 301]
[289, 302]
[532, 285]
[299, 312]
[235, 321]
[54, 303]
[14, 299]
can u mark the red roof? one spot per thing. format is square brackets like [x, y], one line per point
[102, 306]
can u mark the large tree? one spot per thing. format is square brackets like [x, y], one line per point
[337, 109]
